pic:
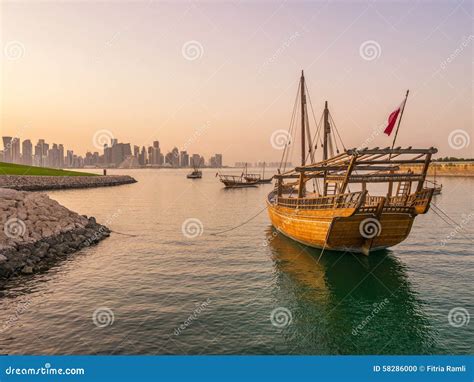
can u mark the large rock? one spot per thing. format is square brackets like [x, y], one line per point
[35, 229]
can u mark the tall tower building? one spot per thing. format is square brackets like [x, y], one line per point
[27, 152]
[7, 149]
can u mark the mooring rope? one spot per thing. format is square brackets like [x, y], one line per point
[241, 224]
[124, 234]
[448, 222]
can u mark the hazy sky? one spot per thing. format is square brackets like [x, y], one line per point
[222, 76]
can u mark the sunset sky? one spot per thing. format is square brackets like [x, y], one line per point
[222, 76]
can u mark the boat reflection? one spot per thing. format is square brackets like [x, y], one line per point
[360, 298]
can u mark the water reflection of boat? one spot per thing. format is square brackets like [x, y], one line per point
[347, 304]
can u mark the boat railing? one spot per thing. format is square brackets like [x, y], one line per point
[420, 198]
[322, 202]
[230, 177]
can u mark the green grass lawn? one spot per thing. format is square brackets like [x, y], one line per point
[18, 169]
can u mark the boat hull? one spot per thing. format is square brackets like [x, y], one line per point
[342, 229]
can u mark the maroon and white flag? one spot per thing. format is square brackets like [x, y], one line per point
[392, 118]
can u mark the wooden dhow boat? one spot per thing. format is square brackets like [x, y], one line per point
[236, 181]
[343, 212]
[196, 173]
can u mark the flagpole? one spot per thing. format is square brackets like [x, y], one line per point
[399, 121]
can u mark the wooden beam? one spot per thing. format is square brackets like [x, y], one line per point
[377, 178]
[431, 150]
[348, 174]
[345, 167]
[423, 173]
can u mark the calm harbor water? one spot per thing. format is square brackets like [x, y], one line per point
[247, 291]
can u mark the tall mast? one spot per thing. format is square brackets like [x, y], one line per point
[303, 102]
[327, 131]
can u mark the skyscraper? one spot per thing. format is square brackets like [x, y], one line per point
[184, 159]
[15, 149]
[7, 149]
[27, 152]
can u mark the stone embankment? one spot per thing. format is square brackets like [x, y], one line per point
[41, 183]
[36, 231]
[444, 168]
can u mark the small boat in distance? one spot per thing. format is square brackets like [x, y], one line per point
[195, 174]
[259, 178]
[438, 187]
[237, 181]
[341, 213]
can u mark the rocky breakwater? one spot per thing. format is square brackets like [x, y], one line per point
[36, 231]
[40, 183]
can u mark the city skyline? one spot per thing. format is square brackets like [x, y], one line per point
[143, 70]
[114, 154]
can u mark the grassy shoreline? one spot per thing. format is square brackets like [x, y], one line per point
[19, 169]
